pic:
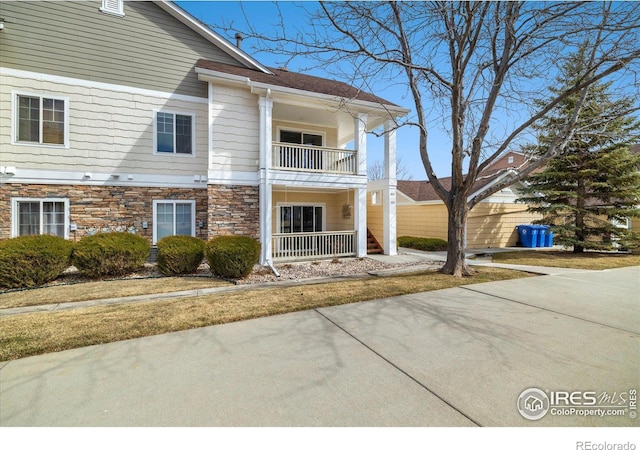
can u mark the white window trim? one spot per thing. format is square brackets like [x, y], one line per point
[15, 113]
[193, 133]
[155, 222]
[280, 128]
[108, 8]
[376, 198]
[15, 213]
[284, 204]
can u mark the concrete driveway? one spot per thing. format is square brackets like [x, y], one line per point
[456, 357]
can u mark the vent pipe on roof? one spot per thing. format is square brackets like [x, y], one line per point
[239, 39]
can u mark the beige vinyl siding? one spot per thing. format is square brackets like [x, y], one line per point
[333, 203]
[375, 220]
[494, 224]
[109, 131]
[488, 224]
[330, 134]
[422, 221]
[236, 130]
[146, 48]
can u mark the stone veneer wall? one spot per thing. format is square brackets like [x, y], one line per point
[234, 210]
[104, 207]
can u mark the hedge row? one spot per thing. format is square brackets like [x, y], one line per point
[424, 244]
[31, 261]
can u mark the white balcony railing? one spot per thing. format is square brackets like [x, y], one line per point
[301, 246]
[308, 158]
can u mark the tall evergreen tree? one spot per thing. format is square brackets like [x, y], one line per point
[593, 187]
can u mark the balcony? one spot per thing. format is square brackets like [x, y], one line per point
[307, 158]
[303, 246]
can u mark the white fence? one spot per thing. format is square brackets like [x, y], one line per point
[301, 246]
[307, 158]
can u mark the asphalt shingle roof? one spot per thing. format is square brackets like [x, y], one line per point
[422, 191]
[294, 80]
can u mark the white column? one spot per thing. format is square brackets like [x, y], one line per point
[360, 138]
[266, 107]
[361, 221]
[389, 194]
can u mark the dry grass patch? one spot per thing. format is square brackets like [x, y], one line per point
[588, 260]
[44, 332]
[105, 289]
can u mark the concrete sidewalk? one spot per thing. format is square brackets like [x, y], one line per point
[456, 357]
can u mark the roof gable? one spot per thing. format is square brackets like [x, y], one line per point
[203, 29]
[422, 191]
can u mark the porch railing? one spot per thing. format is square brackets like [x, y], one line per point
[308, 158]
[301, 246]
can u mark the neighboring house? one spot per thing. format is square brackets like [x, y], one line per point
[136, 116]
[491, 223]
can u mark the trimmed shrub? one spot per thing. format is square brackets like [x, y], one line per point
[179, 255]
[105, 254]
[424, 244]
[30, 261]
[232, 256]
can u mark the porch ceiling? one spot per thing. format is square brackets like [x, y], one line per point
[323, 116]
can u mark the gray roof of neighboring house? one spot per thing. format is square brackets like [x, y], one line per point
[294, 80]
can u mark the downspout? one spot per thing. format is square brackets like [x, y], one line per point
[273, 269]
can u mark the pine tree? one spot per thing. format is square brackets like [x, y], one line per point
[593, 187]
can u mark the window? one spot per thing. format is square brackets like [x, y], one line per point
[41, 120]
[174, 133]
[115, 7]
[376, 198]
[298, 137]
[173, 217]
[301, 218]
[300, 158]
[40, 216]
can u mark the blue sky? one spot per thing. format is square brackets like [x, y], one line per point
[263, 16]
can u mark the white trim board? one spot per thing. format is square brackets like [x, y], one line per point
[4, 71]
[35, 176]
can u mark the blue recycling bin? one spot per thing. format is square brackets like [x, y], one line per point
[542, 231]
[548, 238]
[528, 235]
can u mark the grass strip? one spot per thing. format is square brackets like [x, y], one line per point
[97, 290]
[587, 260]
[44, 332]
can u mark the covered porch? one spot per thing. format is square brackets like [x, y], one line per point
[313, 175]
[312, 223]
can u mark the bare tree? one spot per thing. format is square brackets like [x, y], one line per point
[375, 171]
[473, 69]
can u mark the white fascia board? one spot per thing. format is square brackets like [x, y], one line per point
[493, 183]
[427, 202]
[377, 185]
[215, 77]
[210, 35]
[361, 105]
